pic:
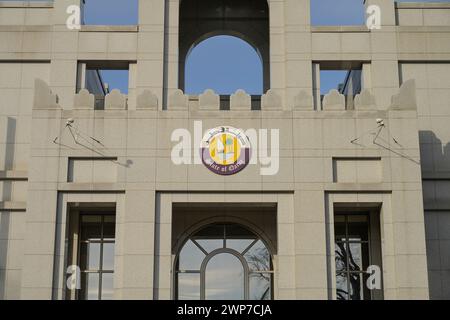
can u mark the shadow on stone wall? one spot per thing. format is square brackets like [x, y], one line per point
[440, 162]
[434, 164]
[6, 196]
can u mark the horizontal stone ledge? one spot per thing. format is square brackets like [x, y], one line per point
[422, 29]
[339, 29]
[109, 28]
[27, 28]
[91, 187]
[13, 175]
[422, 5]
[13, 206]
[26, 4]
[357, 187]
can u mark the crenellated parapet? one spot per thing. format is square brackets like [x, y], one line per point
[44, 98]
[147, 100]
[83, 100]
[405, 99]
[240, 101]
[365, 101]
[333, 101]
[178, 101]
[209, 100]
[115, 100]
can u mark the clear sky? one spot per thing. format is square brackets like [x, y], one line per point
[225, 63]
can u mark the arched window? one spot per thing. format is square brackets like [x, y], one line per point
[224, 64]
[224, 262]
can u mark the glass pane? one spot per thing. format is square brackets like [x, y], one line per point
[358, 228]
[191, 257]
[91, 218]
[367, 293]
[235, 231]
[260, 286]
[89, 286]
[341, 287]
[211, 244]
[108, 256]
[189, 286]
[359, 256]
[109, 218]
[91, 227]
[238, 244]
[109, 227]
[340, 256]
[258, 257]
[356, 286]
[90, 256]
[107, 286]
[216, 231]
[339, 228]
[224, 278]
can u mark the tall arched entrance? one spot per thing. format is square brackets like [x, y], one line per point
[224, 262]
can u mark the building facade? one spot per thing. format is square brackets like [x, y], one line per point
[107, 195]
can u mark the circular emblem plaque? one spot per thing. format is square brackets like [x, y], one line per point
[225, 150]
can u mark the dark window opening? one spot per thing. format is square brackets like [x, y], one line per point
[92, 250]
[345, 77]
[357, 246]
[100, 78]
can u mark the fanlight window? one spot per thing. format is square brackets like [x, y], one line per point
[224, 262]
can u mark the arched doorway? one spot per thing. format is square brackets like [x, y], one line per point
[224, 262]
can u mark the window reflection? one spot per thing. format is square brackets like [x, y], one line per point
[224, 261]
[191, 257]
[260, 286]
[258, 257]
[96, 256]
[224, 278]
[352, 256]
[189, 286]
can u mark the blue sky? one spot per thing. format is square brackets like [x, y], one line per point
[225, 63]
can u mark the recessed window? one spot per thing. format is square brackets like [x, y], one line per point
[357, 247]
[345, 77]
[100, 78]
[224, 262]
[92, 249]
[110, 12]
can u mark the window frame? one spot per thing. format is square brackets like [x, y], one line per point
[374, 249]
[208, 256]
[74, 240]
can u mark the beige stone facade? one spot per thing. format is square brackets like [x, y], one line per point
[329, 158]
